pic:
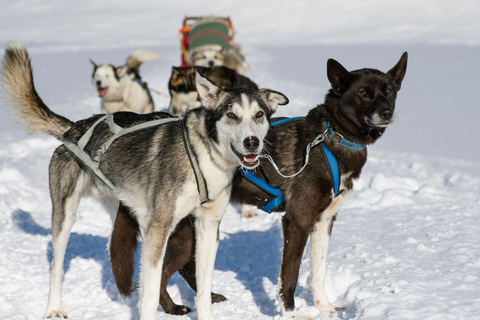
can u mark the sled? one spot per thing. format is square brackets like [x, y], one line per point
[212, 31]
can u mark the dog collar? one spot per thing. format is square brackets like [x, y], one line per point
[344, 142]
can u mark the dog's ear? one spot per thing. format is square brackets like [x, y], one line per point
[398, 71]
[120, 71]
[94, 65]
[338, 76]
[175, 71]
[273, 98]
[207, 90]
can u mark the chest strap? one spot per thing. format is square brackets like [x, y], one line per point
[77, 149]
[330, 158]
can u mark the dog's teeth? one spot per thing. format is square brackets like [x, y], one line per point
[250, 158]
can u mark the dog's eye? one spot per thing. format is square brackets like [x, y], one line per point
[259, 114]
[388, 91]
[231, 115]
[364, 93]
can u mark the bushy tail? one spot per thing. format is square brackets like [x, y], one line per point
[123, 244]
[138, 57]
[22, 98]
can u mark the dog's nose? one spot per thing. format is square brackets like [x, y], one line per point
[251, 144]
[99, 83]
[210, 63]
[386, 113]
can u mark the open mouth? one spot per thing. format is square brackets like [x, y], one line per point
[102, 91]
[249, 161]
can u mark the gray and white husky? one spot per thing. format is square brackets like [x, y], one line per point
[121, 88]
[150, 169]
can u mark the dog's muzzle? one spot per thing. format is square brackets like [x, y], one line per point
[249, 161]
[381, 118]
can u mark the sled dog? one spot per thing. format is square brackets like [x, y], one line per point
[356, 112]
[183, 95]
[154, 171]
[182, 88]
[121, 88]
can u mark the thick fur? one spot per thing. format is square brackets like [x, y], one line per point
[121, 88]
[150, 170]
[360, 106]
[183, 91]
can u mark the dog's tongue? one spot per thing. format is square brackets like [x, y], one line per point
[102, 91]
[250, 158]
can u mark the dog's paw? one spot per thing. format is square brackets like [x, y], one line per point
[218, 298]
[329, 309]
[296, 316]
[179, 310]
[59, 314]
[249, 211]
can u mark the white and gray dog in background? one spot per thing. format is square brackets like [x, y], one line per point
[151, 171]
[121, 88]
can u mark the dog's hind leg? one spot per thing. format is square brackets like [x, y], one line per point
[207, 223]
[66, 188]
[295, 239]
[188, 273]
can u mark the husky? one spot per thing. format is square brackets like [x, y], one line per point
[183, 95]
[214, 56]
[182, 88]
[154, 172]
[356, 112]
[121, 88]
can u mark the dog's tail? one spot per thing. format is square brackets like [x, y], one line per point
[123, 244]
[138, 57]
[22, 98]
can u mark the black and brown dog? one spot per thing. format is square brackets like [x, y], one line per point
[183, 91]
[356, 112]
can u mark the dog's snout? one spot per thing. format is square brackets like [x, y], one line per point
[386, 113]
[210, 63]
[99, 83]
[251, 144]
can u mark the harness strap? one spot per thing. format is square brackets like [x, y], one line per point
[78, 151]
[277, 194]
[201, 184]
[344, 142]
[334, 170]
[329, 157]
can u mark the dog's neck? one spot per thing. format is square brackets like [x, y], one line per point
[348, 127]
[198, 134]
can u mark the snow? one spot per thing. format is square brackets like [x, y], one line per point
[405, 245]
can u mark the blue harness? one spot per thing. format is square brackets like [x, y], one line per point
[332, 162]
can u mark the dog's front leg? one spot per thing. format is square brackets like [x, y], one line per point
[207, 236]
[320, 239]
[153, 251]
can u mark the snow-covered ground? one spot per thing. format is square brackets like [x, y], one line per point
[405, 246]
